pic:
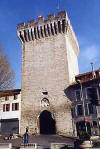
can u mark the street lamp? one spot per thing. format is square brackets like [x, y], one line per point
[82, 98]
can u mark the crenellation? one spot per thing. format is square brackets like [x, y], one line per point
[40, 20]
[47, 28]
[51, 17]
[62, 14]
[31, 23]
[21, 26]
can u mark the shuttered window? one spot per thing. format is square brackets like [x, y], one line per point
[15, 97]
[4, 106]
[15, 106]
[6, 97]
[7, 107]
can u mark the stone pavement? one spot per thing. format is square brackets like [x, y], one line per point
[43, 141]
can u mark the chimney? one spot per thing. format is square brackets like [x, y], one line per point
[93, 72]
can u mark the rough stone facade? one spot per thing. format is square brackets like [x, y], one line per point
[49, 64]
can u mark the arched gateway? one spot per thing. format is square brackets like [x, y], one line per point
[47, 123]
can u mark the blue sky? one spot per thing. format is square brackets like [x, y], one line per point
[84, 16]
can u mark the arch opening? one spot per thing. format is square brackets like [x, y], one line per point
[47, 123]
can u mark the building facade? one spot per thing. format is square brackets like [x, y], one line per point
[10, 108]
[49, 64]
[85, 95]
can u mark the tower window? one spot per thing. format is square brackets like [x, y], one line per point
[45, 93]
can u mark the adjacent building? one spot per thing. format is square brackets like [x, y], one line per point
[85, 96]
[10, 108]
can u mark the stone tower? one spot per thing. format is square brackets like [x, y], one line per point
[49, 65]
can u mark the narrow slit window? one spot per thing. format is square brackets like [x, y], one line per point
[52, 29]
[45, 30]
[31, 34]
[38, 32]
[41, 30]
[28, 35]
[25, 35]
[48, 29]
[63, 26]
[55, 28]
[35, 33]
[59, 26]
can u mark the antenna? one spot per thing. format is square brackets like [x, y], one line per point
[58, 7]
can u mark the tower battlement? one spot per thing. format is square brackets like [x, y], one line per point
[52, 26]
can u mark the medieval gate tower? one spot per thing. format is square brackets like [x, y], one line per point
[49, 65]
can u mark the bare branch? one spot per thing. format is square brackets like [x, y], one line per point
[7, 75]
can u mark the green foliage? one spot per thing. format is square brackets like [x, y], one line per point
[83, 135]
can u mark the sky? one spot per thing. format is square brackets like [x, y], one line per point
[83, 14]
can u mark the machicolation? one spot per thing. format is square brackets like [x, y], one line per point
[45, 28]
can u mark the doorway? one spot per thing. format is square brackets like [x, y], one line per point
[47, 123]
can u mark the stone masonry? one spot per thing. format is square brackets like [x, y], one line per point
[49, 65]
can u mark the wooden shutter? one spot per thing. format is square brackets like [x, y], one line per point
[4, 108]
[7, 107]
[13, 105]
[7, 98]
[17, 106]
[15, 97]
